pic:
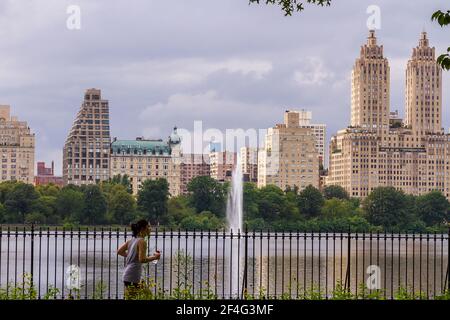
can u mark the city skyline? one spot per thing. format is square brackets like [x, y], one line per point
[197, 82]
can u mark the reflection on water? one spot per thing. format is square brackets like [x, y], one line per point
[276, 265]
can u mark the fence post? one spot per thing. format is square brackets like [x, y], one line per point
[32, 258]
[347, 274]
[448, 261]
[244, 278]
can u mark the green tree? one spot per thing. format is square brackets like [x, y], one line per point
[20, 199]
[178, 209]
[45, 209]
[5, 188]
[443, 18]
[388, 207]
[95, 206]
[205, 220]
[123, 180]
[290, 6]
[121, 205]
[310, 201]
[334, 191]
[48, 190]
[433, 208]
[207, 194]
[152, 199]
[250, 199]
[272, 203]
[2, 213]
[337, 208]
[69, 204]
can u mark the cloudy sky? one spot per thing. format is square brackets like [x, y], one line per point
[229, 64]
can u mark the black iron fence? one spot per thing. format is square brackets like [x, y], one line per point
[62, 263]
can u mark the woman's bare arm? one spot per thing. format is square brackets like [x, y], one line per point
[123, 250]
[143, 258]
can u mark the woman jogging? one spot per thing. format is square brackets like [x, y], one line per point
[134, 250]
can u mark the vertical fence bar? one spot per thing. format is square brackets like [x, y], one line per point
[102, 237]
[15, 259]
[156, 265]
[414, 262]
[23, 259]
[171, 262]
[347, 276]
[268, 263]
[448, 261]
[48, 258]
[117, 262]
[276, 264]
[304, 265]
[31, 256]
[163, 260]
[312, 261]
[71, 256]
[40, 258]
[406, 261]
[254, 264]
[231, 264]
[290, 265]
[86, 265]
[56, 255]
[297, 236]
[420, 265]
[109, 262]
[356, 265]
[193, 263]
[318, 265]
[201, 263]
[62, 270]
[7, 262]
[223, 264]
[434, 265]
[326, 265]
[244, 280]
[1, 254]
[399, 260]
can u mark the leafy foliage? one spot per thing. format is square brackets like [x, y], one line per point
[291, 6]
[443, 18]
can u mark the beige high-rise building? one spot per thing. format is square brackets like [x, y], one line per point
[424, 90]
[249, 163]
[193, 165]
[370, 88]
[143, 159]
[413, 157]
[222, 164]
[86, 151]
[17, 146]
[290, 157]
[319, 131]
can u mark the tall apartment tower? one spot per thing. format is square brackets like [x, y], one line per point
[319, 131]
[290, 157]
[370, 88]
[17, 147]
[249, 163]
[412, 155]
[424, 90]
[86, 154]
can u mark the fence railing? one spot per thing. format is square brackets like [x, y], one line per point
[219, 264]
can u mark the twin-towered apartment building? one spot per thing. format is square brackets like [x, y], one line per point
[413, 156]
[378, 148]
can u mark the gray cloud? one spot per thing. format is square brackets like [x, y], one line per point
[165, 63]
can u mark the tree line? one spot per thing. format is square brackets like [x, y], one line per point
[332, 210]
